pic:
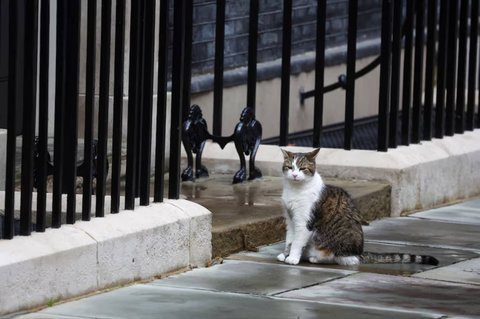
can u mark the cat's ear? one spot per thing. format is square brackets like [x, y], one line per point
[311, 156]
[286, 154]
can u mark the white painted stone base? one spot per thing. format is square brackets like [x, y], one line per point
[422, 175]
[105, 252]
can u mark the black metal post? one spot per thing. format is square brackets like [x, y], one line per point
[462, 68]
[132, 155]
[441, 69]
[71, 104]
[29, 114]
[385, 77]
[187, 68]
[319, 72]
[105, 39]
[218, 79]
[407, 73]
[177, 96]
[9, 226]
[396, 62]
[472, 69]
[60, 93]
[418, 69]
[430, 68]
[451, 68]
[351, 62]
[148, 102]
[89, 104]
[161, 102]
[285, 84]
[43, 116]
[252, 55]
[140, 95]
[118, 104]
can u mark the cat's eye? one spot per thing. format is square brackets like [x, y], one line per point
[288, 167]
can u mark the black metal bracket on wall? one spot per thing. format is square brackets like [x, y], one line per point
[81, 168]
[246, 136]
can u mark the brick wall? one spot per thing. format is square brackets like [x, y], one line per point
[270, 29]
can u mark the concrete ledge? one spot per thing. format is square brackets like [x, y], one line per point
[421, 176]
[88, 256]
[272, 69]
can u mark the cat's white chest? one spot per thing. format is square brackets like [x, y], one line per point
[299, 199]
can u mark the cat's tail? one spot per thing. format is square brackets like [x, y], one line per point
[397, 258]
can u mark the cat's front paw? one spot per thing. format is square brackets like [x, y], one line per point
[281, 257]
[292, 260]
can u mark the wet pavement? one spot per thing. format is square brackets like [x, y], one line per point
[255, 285]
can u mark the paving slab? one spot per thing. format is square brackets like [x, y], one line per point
[463, 272]
[445, 256]
[422, 232]
[458, 214]
[396, 293]
[252, 278]
[149, 301]
[474, 203]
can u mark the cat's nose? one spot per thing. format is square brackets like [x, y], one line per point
[294, 175]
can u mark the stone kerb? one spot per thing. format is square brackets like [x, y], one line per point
[421, 176]
[105, 252]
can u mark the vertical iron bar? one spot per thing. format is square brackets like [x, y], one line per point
[43, 117]
[351, 62]
[118, 104]
[177, 97]
[140, 96]
[395, 84]
[148, 102]
[462, 68]
[396, 63]
[219, 56]
[252, 54]
[407, 73]
[441, 69]
[385, 77]
[472, 66]
[451, 68]
[285, 84]
[130, 176]
[105, 38]
[29, 114]
[71, 103]
[187, 68]
[60, 88]
[161, 102]
[430, 68]
[9, 226]
[89, 105]
[319, 72]
[418, 70]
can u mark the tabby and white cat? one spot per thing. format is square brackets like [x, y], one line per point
[323, 224]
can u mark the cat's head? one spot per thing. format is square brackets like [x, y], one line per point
[298, 167]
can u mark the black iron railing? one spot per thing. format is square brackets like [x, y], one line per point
[438, 96]
[437, 64]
